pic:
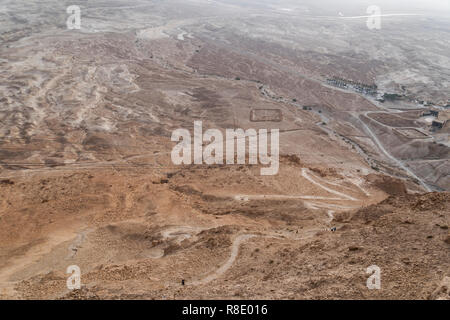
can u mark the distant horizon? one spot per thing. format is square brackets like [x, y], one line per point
[439, 7]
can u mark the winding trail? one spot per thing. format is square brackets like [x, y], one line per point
[387, 154]
[307, 234]
[310, 179]
[243, 238]
[234, 253]
[245, 197]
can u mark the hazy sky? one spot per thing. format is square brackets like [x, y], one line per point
[354, 6]
[405, 5]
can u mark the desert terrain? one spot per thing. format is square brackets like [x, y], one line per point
[87, 179]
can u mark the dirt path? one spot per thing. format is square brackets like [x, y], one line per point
[234, 253]
[243, 238]
[247, 197]
[310, 179]
[388, 155]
